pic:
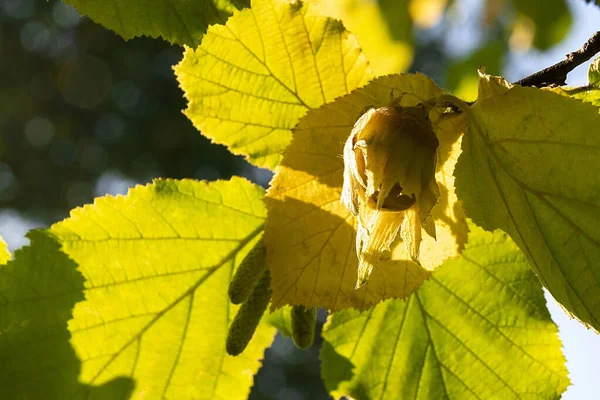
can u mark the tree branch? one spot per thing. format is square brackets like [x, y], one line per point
[557, 73]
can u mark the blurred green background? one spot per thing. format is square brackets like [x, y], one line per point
[84, 113]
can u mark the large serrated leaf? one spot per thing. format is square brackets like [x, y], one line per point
[310, 236]
[253, 78]
[477, 329]
[177, 21]
[152, 307]
[528, 167]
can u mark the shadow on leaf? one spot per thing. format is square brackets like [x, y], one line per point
[38, 290]
[312, 257]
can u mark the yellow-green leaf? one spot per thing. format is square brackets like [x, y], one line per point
[177, 21]
[253, 78]
[588, 94]
[528, 167]
[152, 307]
[4, 253]
[594, 72]
[491, 85]
[310, 236]
[477, 329]
[383, 28]
[282, 320]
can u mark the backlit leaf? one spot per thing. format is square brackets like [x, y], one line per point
[383, 29]
[252, 79]
[588, 94]
[528, 167]
[4, 253]
[594, 72]
[477, 329]
[310, 236]
[152, 307]
[177, 21]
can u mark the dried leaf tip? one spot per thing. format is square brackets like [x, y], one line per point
[389, 182]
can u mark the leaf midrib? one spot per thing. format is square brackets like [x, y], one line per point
[175, 302]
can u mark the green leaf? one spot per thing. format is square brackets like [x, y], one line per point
[552, 20]
[588, 94]
[38, 290]
[153, 307]
[383, 28]
[594, 72]
[282, 320]
[528, 167]
[4, 253]
[177, 21]
[477, 329]
[252, 79]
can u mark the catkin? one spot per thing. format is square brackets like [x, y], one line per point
[303, 326]
[244, 324]
[247, 274]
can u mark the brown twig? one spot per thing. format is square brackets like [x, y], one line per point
[557, 73]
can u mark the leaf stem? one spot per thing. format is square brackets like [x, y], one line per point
[557, 73]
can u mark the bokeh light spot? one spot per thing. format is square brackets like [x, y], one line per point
[112, 182]
[18, 9]
[14, 226]
[65, 16]
[127, 96]
[7, 178]
[85, 81]
[34, 36]
[39, 131]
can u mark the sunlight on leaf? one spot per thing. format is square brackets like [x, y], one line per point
[452, 338]
[157, 265]
[252, 79]
[310, 236]
[383, 28]
[528, 167]
[177, 21]
[491, 85]
[4, 253]
[282, 320]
